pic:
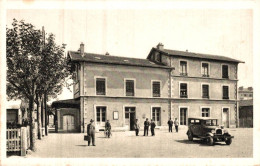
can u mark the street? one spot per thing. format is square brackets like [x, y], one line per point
[127, 145]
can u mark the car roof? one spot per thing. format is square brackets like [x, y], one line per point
[203, 118]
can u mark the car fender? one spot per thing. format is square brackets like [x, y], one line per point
[209, 134]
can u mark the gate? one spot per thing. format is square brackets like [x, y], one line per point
[13, 140]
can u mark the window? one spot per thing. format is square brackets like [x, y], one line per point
[100, 86]
[156, 115]
[205, 112]
[205, 91]
[158, 58]
[224, 71]
[101, 114]
[205, 69]
[129, 88]
[183, 116]
[225, 92]
[183, 68]
[156, 89]
[183, 90]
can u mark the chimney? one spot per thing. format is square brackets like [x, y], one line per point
[241, 88]
[160, 46]
[107, 53]
[250, 88]
[81, 49]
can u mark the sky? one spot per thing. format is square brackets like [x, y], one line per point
[133, 32]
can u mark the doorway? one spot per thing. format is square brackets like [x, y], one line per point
[156, 115]
[130, 117]
[225, 117]
[68, 123]
[101, 116]
[183, 116]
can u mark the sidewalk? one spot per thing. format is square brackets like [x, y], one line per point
[127, 145]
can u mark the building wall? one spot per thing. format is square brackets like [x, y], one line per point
[115, 75]
[194, 109]
[69, 111]
[246, 116]
[143, 110]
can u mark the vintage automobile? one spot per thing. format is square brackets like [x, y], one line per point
[207, 129]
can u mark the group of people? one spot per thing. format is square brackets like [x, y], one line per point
[147, 124]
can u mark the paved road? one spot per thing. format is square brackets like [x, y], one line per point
[127, 145]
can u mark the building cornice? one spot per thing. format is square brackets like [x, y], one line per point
[209, 78]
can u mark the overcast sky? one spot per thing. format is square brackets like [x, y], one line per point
[132, 33]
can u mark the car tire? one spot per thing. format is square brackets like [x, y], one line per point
[190, 136]
[228, 141]
[210, 141]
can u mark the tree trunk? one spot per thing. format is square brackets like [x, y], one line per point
[31, 122]
[43, 114]
[46, 114]
[39, 124]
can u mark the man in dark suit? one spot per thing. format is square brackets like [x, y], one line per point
[146, 126]
[91, 133]
[170, 123]
[152, 127]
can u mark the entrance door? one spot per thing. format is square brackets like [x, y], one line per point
[183, 116]
[68, 123]
[101, 116]
[225, 117]
[156, 115]
[130, 117]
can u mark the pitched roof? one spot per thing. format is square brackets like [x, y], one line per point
[243, 103]
[66, 103]
[108, 59]
[196, 55]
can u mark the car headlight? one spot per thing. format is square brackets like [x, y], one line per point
[213, 131]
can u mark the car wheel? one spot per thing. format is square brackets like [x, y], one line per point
[228, 141]
[210, 141]
[190, 137]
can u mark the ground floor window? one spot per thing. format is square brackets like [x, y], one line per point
[205, 112]
[156, 115]
[101, 115]
[183, 116]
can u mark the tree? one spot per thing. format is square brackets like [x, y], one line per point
[33, 67]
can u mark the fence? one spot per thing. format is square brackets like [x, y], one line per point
[13, 140]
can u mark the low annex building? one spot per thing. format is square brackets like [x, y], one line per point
[167, 84]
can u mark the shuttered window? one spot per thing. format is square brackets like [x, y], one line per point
[224, 71]
[183, 90]
[183, 68]
[225, 92]
[205, 70]
[205, 91]
[130, 91]
[101, 86]
[156, 89]
[205, 112]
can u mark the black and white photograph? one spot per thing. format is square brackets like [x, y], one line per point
[129, 82]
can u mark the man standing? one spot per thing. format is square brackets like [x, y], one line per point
[176, 124]
[91, 133]
[108, 128]
[146, 126]
[137, 127]
[170, 123]
[152, 127]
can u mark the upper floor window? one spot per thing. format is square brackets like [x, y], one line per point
[205, 112]
[225, 92]
[183, 90]
[205, 69]
[183, 68]
[224, 71]
[205, 91]
[100, 86]
[158, 58]
[156, 88]
[129, 88]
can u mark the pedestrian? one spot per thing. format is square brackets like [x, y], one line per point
[108, 128]
[170, 123]
[152, 127]
[91, 133]
[146, 127]
[176, 124]
[137, 127]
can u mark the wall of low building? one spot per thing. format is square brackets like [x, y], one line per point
[69, 111]
[194, 109]
[116, 74]
[246, 116]
[143, 109]
[195, 87]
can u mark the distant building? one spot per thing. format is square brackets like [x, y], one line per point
[168, 84]
[246, 113]
[245, 93]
